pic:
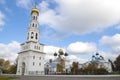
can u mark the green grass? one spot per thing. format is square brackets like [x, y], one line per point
[7, 77]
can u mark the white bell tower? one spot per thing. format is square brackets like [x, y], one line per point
[33, 32]
[31, 56]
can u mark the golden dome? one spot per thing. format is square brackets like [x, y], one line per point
[60, 51]
[35, 10]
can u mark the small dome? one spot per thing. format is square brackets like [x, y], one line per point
[35, 10]
[66, 54]
[55, 54]
[97, 53]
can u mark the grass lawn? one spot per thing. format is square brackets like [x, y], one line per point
[7, 77]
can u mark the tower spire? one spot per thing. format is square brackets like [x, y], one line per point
[35, 4]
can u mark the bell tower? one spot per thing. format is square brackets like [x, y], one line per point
[31, 55]
[33, 32]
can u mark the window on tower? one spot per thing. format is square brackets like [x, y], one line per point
[36, 17]
[28, 36]
[32, 34]
[33, 24]
[36, 25]
[33, 63]
[33, 57]
[36, 36]
[33, 17]
[39, 58]
[39, 64]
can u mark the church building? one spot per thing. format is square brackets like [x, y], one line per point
[31, 55]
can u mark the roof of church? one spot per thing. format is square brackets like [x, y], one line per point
[35, 10]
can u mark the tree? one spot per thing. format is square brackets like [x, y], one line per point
[61, 66]
[75, 68]
[6, 66]
[1, 62]
[117, 64]
[112, 65]
[91, 68]
[13, 69]
[94, 68]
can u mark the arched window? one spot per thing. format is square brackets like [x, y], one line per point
[36, 36]
[39, 64]
[33, 57]
[33, 63]
[33, 17]
[39, 58]
[36, 17]
[33, 25]
[32, 34]
[36, 25]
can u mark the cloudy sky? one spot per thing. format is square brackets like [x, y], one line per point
[80, 27]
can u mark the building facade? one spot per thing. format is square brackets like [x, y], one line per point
[31, 55]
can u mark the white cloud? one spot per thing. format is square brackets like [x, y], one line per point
[50, 50]
[9, 51]
[113, 42]
[81, 47]
[48, 57]
[24, 3]
[43, 6]
[2, 17]
[81, 16]
[75, 58]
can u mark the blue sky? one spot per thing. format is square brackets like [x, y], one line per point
[79, 27]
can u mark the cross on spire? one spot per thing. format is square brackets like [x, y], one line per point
[35, 4]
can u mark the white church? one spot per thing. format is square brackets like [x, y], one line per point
[31, 55]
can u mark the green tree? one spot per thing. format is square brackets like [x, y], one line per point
[117, 64]
[1, 62]
[13, 69]
[61, 66]
[94, 68]
[6, 66]
[112, 65]
[75, 68]
[101, 70]
[91, 68]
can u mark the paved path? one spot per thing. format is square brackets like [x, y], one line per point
[70, 77]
